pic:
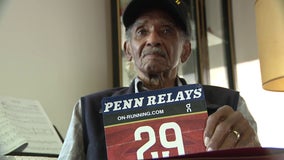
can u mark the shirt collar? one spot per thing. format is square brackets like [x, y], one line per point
[139, 84]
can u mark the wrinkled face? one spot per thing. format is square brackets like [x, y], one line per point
[156, 44]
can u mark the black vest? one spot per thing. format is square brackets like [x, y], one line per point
[92, 120]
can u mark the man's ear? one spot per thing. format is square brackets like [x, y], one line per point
[127, 50]
[186, 51]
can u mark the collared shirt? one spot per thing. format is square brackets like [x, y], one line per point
[73, 146]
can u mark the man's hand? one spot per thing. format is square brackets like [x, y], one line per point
[227, 129]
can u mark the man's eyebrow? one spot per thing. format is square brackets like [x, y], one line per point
[163, 23]
[169, 24]
[140, 22]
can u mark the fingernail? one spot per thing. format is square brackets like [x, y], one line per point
[206, 141]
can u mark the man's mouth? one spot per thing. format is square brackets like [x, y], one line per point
[154, 52]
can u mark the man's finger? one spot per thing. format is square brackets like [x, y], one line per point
[213, 121]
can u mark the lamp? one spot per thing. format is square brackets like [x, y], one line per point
[270, 38]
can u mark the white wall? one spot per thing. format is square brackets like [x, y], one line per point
[55, 51]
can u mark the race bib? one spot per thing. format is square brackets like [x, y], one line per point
[155, 124]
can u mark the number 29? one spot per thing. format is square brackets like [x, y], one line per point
[177, 143]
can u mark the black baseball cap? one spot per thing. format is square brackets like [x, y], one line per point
[175, 8]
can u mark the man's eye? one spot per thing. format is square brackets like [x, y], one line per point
[167, 30]
[141, 32]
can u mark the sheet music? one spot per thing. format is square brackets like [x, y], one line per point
[9, 137]
[32, 124]
[26, 158]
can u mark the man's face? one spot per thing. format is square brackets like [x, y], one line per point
[156, 44]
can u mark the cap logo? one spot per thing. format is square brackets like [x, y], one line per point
[178, 2]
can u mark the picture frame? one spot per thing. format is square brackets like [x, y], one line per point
[197, 68]
[124, 71]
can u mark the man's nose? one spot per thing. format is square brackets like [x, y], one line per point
[153, 39]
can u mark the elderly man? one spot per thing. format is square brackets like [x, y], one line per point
[158, 41]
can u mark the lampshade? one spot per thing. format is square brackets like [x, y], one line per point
[270, 38]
